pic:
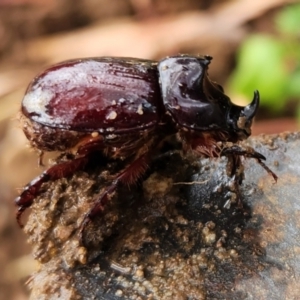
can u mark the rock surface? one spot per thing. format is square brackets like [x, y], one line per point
[178, 235]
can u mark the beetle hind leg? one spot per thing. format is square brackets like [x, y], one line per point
[55, 172]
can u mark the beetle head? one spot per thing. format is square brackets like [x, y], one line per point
[199, 104]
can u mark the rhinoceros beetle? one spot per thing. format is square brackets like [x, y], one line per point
[125, 108]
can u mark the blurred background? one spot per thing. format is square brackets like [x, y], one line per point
[255, 45]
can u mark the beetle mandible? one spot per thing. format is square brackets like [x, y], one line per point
[125, 107]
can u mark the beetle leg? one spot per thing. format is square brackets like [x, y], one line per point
[251, 153]
[129, 176]
[32, 189]
[235, 167]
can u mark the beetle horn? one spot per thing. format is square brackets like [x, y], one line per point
[250, 110]
[240, 118]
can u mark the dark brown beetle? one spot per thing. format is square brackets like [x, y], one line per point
[125, 107]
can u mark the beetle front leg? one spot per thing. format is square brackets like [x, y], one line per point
[32, 189]
[129, 176]
[251, 153]
[236, 168]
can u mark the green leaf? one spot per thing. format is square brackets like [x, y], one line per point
[294, 84]
[288, 20]
[261, 66]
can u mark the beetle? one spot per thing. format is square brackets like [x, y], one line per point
[125, 108]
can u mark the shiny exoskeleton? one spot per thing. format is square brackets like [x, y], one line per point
[125, 108]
